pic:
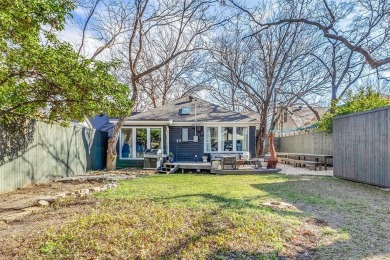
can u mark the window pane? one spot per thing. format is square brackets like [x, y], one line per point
[242, 139]
[212, 139]
[155, 138]
[227, 138]
[126, 143]
[141, 139]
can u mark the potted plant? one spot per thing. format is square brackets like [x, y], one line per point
[204, 158]
[171, 157]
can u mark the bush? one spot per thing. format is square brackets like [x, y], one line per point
[365, 99]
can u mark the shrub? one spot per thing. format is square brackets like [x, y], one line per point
[365, 99]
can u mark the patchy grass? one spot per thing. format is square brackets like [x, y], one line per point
[222, 217]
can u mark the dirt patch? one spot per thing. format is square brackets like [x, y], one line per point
[280, 205]
[304, 241]
[356, 215]
[15, 236]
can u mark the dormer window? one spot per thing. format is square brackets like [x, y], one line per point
[186, 111]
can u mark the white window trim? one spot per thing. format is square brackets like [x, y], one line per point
[133, 145]
[220, 139]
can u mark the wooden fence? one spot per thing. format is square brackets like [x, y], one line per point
[312, 143]
[362, 147]
[34, 152]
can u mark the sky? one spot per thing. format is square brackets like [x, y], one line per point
[72, 34]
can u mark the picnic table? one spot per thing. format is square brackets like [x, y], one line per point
[307, 158]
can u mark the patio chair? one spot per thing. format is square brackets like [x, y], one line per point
[229, 160]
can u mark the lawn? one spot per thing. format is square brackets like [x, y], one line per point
[224, 217]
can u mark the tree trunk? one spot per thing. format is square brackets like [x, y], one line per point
[111, 149]
[261, 136]
[260, 140]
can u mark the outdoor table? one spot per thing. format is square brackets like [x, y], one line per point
[323, 158]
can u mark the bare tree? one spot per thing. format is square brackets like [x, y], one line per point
[184, 22]
[270, 69]
[343, 66]
[174, 80]
[105, 25]
[361, 26]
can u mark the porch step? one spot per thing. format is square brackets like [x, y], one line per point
[169, 168]
[174, 169]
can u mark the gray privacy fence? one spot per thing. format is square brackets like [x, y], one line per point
[34, 152]
[362, 147]
[311, 143]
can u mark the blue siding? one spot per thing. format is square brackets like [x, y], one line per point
[186, 151]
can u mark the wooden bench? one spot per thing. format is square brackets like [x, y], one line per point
[305, 163]
[301, 163]
[288, 161]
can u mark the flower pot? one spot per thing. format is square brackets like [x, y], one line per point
[204, 158]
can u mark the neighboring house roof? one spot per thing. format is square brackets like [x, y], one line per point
[101, 122]
[205, 112]
[304, 117]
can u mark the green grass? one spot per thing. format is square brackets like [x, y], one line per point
[218, 217]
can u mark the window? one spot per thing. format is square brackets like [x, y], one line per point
[242, 139]
[135, 140]
[212, 139]
[141, 141]
[227, 139]
[186, 111]
[155, 138]
[126, 142]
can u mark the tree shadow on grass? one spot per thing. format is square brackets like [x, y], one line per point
[210, 228]
[237, 204]
[352, 222]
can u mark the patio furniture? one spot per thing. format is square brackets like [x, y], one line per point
[302, 159]
[240, 162]
[215, 163]
[229, 160]
[255, 161]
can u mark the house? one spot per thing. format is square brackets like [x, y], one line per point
[188, 127]
[297, 119]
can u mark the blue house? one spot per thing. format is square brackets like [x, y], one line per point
[189, 128]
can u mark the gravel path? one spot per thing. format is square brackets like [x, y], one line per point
[291, 170]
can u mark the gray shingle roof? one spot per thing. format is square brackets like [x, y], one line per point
[205, 112]
[305, 117]
[101, 122]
